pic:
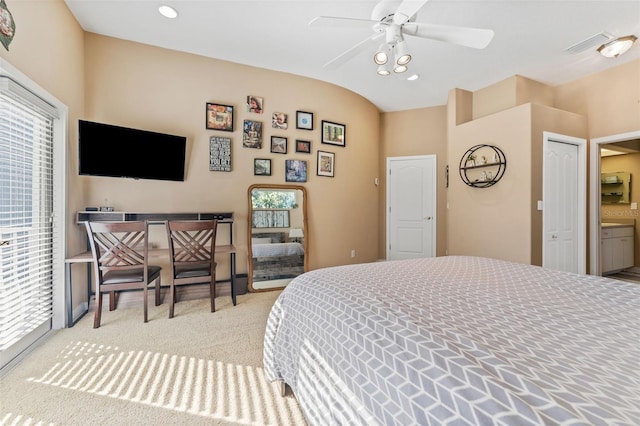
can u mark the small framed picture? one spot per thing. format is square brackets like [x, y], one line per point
[296, 171]
[262, 167]
[252, 134]
[334, 133]
[278, 145]
[279, 120]
[219, 117]
[254, 104]
[303, 146]
[326, 163]
[304, 120]
[219, 154]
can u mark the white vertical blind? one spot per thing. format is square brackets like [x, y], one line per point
[26, 208]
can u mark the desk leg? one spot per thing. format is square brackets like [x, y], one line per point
[233, 278]
[68, 294]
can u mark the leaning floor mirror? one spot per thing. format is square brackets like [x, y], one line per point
[278, 235]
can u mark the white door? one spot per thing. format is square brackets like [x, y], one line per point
[564, 207]
[411, 207]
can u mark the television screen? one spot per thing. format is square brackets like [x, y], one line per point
[107, 150]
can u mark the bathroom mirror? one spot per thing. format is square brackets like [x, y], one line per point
[615, 187]
[278, 235]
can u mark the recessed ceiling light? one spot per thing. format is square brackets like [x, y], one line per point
[413, 77]
[168, 11]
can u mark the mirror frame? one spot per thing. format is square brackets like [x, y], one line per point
[250, 230]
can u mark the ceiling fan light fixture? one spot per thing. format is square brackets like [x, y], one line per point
[384, 70]
[168, 11]
[400, 69]
[403, 57]
[617, 47]
[381, 56]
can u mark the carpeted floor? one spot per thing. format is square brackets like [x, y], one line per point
[197, 368]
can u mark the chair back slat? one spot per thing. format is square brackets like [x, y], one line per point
[120, 258]
[118, 245]
[192, 241]
[192, 249]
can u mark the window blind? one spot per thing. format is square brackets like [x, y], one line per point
[26, 208]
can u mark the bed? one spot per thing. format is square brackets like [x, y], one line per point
[277, 249]
[274, 259]
[457, 340]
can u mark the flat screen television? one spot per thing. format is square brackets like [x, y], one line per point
[107, 150]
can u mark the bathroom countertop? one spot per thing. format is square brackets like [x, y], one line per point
[615, 225]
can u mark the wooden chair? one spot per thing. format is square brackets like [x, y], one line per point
[120, 256]
[192, 249]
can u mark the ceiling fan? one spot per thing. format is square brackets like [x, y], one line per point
[391, 21]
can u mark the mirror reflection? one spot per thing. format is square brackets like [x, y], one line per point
[277, 233]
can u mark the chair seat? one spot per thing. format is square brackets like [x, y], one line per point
[130, 276]
[193, 271]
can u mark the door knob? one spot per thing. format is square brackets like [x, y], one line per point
[428, 218]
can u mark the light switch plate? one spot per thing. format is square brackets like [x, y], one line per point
[634, 206]
[540, 205]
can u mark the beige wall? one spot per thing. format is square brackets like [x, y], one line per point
[409, 133]
[48, 47]
[140, 86]
[494, 221]
[503, 221]
[610, 99]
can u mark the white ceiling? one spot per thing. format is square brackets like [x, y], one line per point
[531, 38]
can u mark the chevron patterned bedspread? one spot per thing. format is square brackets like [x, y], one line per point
[277, 249]
[457, 340]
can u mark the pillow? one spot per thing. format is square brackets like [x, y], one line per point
[265, 240]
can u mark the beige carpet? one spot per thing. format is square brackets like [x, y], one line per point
[197, 368]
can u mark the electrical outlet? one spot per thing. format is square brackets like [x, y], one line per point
[634, 206]
[353, 253]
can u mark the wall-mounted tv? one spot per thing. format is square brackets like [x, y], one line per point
[107, 150]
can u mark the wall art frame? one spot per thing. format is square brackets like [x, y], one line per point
[278, 145]
[280, 120]
[262, 167]
[326, 164]
[270, 218]
[334, 133]
[304, 120]
[219, 154]
[295, 171]
[303, 146]
[255, 104]
[252, 134]
[219, 117]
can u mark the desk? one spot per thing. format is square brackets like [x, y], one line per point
[154, 219]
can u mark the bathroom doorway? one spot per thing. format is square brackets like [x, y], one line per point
[614, 206]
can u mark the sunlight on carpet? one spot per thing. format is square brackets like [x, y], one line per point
[199, 368]
[197, 386]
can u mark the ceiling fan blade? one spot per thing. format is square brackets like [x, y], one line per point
[337, 22]
[477, 38]
[353, 51]
[406, 10]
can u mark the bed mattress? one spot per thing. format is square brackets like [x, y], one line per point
[457, 340]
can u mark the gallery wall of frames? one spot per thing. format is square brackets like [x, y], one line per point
[296, 155]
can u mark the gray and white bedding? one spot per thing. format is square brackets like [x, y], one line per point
[277, 249]
[457, 340]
